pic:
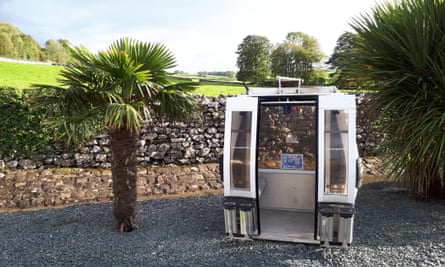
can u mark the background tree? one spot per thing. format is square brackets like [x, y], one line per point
[118, 90]
[253, 59]
[6, 45]
[15, 44]
[23, 46]
[65, 43]
[282, 61]
[343, 53]
[231, 74]
[202, 73]
[57, 51]
[401, 53]
[320, 77]
[296, 56]
[30, 49]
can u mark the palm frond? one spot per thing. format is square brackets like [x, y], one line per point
[400, 52]
[153, 56]
[175, 102]
[124, 116]
[124, 85]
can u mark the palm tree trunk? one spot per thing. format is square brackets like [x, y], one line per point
[123, 144]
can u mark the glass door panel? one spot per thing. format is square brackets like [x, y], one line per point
[240, 149]
[287, 137]
[336, 151]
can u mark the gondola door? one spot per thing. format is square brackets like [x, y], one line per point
[338, 169]
[287, 155]
[240, 206]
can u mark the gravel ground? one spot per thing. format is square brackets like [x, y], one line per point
[390, 230]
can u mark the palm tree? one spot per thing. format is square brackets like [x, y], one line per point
[400, 54]
[117, 90]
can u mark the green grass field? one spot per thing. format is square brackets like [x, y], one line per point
[219, 88]
[207, 77]
[21, 76]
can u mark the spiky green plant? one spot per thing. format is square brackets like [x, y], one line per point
[117, 90]
[400, 53]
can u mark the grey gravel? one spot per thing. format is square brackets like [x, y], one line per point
[390, 230]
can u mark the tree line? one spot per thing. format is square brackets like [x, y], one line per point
[258, 60]
[15, 44]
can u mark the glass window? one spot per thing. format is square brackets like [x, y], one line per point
[336, 151]
[240, 149]
[287, 137]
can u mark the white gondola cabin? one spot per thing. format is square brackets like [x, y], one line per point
[291, 167]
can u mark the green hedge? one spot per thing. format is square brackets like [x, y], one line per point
[21, 132]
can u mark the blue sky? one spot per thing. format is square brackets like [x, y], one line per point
[202, 34]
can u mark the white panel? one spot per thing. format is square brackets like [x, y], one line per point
[338, 102]
[240, 103]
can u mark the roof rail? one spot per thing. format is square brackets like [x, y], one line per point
[283, 78]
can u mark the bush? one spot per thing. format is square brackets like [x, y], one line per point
[400, 54]
[22, 133]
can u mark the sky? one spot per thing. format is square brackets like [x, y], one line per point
[202, 34]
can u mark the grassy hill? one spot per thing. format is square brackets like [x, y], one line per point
[18, 75]
[217, 88]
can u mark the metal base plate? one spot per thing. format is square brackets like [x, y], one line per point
[286, 225]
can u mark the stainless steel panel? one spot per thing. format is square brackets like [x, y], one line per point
[285, 225]
[230, 221]
[287, 189]
[345, 230]
[326, 229]
[246, 222]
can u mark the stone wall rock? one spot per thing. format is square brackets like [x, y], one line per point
[197, 140]
[174, 158]
[46, 188]
[368, 137]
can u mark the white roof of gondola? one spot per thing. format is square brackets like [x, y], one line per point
[306, 90]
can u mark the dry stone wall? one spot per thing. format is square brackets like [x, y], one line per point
[194, 141]
[192, 146]
[24, 189]
[368, 137]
